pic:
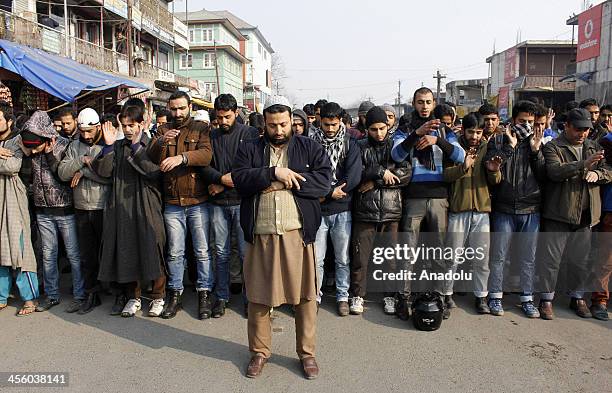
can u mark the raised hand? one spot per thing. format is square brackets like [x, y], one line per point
[494, 164]
[110, 133]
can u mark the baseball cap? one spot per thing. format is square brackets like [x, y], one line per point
[579, 118]
[87, 118]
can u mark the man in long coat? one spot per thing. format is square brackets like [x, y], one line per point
[280, 178]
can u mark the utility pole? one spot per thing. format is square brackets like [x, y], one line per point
[66, 30]
[129, 39]
[399, 97]
[439, 77]
[216, 67]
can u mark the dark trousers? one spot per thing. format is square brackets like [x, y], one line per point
[133, 289]
[603, 266]
[563, 242]
[89, 233]
[364, 234]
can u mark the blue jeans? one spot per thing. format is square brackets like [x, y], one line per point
[27, 283]
[49, 226]
[503, 226]
[178, 220]
[225, 222]
[338, 226]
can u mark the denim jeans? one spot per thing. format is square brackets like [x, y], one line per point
[178, 220]
[504, 225]
[338, 226]
[49, 225]
[225, 223]
[470, 229]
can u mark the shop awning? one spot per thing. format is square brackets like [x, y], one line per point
[59, 76]
[202, 103]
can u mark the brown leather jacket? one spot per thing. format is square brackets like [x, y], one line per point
[184, 186]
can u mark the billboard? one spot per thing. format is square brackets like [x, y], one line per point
[589, 33]
[510, 65]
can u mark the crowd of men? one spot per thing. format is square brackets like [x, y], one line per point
[133, 201]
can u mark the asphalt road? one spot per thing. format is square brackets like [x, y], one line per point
[369, 353]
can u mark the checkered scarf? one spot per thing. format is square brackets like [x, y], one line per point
[334, 147]
[522, 131]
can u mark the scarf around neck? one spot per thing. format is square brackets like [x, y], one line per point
[425, 156]
[334, 147]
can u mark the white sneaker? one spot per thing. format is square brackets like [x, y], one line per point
[356, 305]
[389, 307]
[131, 307]
[156, 307]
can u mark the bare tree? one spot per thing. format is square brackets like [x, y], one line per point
[278, 74]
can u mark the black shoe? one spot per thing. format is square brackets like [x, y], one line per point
[402, 309]
[481, 305]
[219, 309]
[600, 311]
[204, 304]
[46, 304]
[92, 301]
[449, 302]
[120, 302]
[235, 288]
[173, 305]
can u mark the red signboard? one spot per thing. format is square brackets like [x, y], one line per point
[589, 33]
[510, 65]
[502, 101]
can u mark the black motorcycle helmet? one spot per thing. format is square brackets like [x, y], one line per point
[427, 311]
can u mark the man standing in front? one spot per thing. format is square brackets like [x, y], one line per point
[280, 178]
[180, 150]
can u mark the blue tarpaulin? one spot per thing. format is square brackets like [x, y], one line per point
[59, 76]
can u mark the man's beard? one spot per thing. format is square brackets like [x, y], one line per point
[279, 142]
[179, 121]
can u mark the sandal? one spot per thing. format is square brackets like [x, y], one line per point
[3, 306]
[26, 310]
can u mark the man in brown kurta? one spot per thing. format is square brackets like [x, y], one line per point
[280, 178]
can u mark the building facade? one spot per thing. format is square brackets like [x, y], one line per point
[593, 68]
[467, 95]
[216, 55]
[531, 69]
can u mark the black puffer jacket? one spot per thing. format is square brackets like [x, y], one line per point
[523, 173]
[383, 203]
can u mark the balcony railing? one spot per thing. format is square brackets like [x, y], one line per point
[25, 32]
[547, 81]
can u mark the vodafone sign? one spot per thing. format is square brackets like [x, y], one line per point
[589, 33]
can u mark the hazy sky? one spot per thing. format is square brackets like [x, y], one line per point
[349, 50]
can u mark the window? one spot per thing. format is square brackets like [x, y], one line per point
[199, 34]
[207, 35]
[209, 60]
[210, 87]
[186, 62]
[259, 48]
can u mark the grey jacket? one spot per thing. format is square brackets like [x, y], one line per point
[92, 191]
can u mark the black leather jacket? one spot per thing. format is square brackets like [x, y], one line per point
[523, 173]
[383, 203]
